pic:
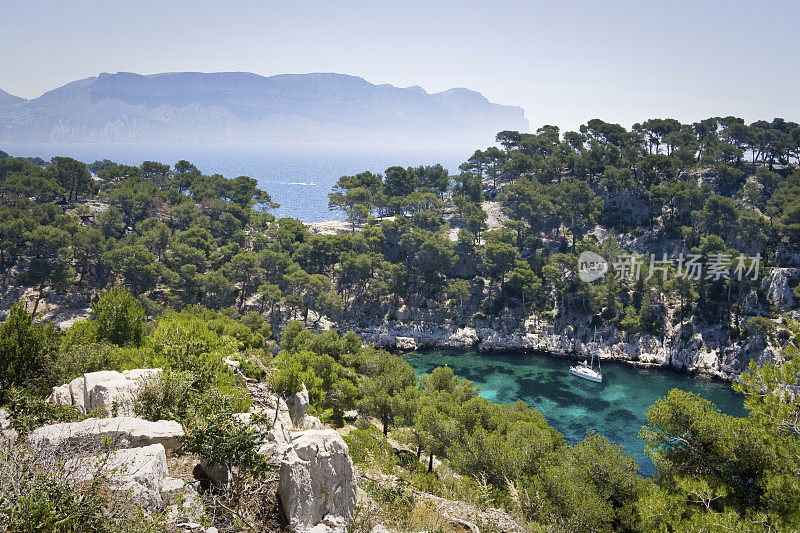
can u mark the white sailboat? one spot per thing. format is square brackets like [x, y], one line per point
[586, 370]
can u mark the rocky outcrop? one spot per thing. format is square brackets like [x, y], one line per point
[777, 285]
[108, 390]
[298, 407]
[138, 471]
[280, 433]
[692, 347]
[312, 422]
[317, 482]
[122, 432]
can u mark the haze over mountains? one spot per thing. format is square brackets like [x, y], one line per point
[238, 107]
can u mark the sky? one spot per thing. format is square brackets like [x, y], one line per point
[564, 62]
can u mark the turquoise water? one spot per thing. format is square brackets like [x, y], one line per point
[615, 408]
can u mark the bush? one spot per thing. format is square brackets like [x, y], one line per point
[29, 412]
[76, 359]
[165, 397]
[759, 325]
[184, 342]
[288, 378]
[26, 351]
[172, 396]
[222, 440]
[369, 446]
[37, 493]
[120, 318]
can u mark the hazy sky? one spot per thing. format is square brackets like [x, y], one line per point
[563, 62]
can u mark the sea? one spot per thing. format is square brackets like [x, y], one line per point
[298, 177]
[616, 408]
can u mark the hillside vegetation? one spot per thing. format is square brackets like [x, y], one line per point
[717, 192]
[162, 266]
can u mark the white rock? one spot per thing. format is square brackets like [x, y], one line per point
[77, 392]
[316, 479]
[298, 407]
[141, 373]
[172, 484]
[140, 471]
[124, 432]
[221, 475]
[330, 524]
[281, 431]
[111, 391]
[7, 434]
[778, 286]
[405, 343]
[61, 395]
[312, 422]
[280, 434]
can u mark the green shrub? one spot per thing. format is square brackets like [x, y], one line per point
[75, 359]
[759, 325]
[222, 440]
[29, 412]
[173, 396]
[184, 342]
[38, 494]
[119, 317]
[26, 351]
[288, 378]
[165, 397]
[369, 447]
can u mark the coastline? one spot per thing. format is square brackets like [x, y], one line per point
[697, 355]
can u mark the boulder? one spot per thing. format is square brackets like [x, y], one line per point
[124, 432]
[330, 524]
[405, 343]
[139, 471]
[111, 391]
[312, 422]
[77, 392]
[280, 434]
[298, 407]
[61, 395]
[316, 481]
[182, 501]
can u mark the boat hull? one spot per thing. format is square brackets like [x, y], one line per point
[578, 373]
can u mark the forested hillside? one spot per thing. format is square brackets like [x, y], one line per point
[161, 266]
[428, 257]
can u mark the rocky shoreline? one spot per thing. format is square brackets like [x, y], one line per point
[690, 346]
[700, 352]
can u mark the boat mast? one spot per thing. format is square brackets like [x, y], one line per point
[598, 353]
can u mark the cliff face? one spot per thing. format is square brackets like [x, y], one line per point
[691, 348]
[239, 107]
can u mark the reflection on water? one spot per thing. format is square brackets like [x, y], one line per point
[615, 408]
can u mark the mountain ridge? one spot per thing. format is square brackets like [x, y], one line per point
[8, 99]
[242, 107]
